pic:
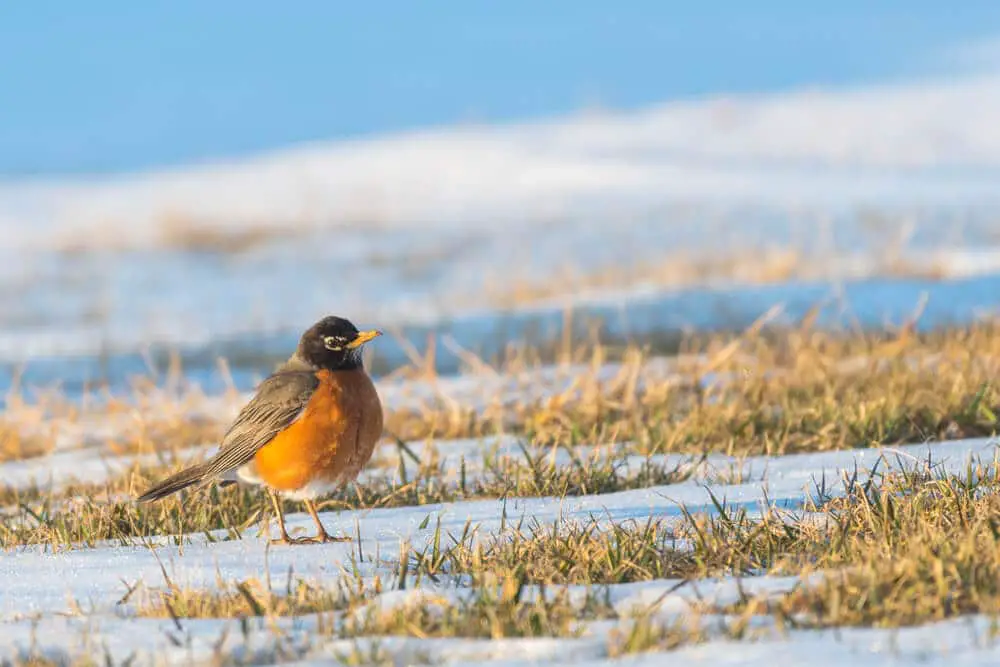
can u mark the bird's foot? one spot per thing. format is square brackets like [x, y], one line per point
[322, 538]
[325, 537]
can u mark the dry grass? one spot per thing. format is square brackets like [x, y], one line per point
[16, 443]
[601, 553]
[166, 434]
[753, 266]
[783, 392]
[647, 634]
[186, 233]
[87, 515]
[496, 610]
[588, 553]
[897, 549]
[251, 598]
[906, 550]
[765, 392]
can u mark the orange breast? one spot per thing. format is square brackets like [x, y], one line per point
[333, 438]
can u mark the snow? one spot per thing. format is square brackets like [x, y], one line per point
[786, 147]
[409, 231]
[37, 583]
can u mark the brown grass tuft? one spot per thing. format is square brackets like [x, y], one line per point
[16, 444]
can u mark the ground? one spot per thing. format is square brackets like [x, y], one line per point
[752, 422]
[746, 502]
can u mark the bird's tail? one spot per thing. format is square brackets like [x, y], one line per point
[175, 483]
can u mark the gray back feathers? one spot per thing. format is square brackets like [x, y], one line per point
[279, 401]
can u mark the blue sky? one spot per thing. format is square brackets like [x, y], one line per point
[111, 86]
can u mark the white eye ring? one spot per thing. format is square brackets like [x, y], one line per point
[332, 343]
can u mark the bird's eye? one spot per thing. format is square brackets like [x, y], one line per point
[334, 343]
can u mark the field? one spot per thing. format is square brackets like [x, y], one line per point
[757, 496]
[750, 422]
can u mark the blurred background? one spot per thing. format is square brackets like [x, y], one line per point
[207, 179]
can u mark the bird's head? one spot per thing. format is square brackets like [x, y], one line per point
[334, 343]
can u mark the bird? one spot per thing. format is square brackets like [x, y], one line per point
[310, 427]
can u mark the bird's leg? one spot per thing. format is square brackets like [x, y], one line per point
[284, 539]
[321, 535]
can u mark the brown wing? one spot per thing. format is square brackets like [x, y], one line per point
[279, 401]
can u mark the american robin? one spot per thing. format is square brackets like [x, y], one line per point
[311, 427]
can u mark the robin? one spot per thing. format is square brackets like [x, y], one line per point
[311, 427]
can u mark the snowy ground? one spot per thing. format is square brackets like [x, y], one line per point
[66, 601]
[886, 197]
[410, 232]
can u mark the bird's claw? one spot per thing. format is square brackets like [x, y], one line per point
[318, 539]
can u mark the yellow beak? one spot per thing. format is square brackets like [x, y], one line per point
[363, 337]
